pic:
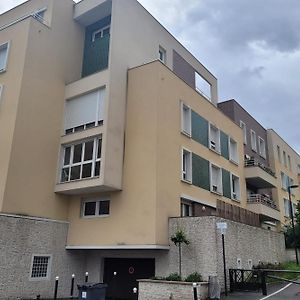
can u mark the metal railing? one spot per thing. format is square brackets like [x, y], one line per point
[255, 163]
[258, 198]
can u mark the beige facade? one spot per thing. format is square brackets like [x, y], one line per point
[285, 161]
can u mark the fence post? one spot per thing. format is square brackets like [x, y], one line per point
[72, 286]
[195, 291]
[56, 287]
[114, 285]
[231, 280]
[263, 283]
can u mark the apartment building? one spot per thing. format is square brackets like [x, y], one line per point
[260, 174]
[104, 136]
[285, 161]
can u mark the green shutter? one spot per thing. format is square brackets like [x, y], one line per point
[226, 183]
[224, 145]
[200, 172]
[199, 129]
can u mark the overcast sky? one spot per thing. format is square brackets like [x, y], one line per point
[252, 47]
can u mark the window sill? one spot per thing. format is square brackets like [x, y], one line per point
[2, 71]
[189, 135]
[186, 181]
[216, 193]
[236, 200]
[234, 162]
[79, 180]
[215, 151]
[95, 217]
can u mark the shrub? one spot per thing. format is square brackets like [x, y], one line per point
[194, 277]
[267, 265]
[173, 277]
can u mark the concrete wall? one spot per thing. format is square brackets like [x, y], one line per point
[20, 238]
[165, 290]
[204, 254]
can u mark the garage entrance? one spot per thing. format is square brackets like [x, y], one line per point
[128, 271]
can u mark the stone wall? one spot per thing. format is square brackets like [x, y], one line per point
[204, 253]
[20, 238]
[165, 290]
[290, 255]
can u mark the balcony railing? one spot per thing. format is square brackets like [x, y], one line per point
[265, 200]
[256, 163]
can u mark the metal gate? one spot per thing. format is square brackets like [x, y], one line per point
[244, 280]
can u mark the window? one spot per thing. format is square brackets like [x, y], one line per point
[253, 141]
[243, 126]
[4, 48]
[279, 154]
[84, 112]
[298, 169]
[81, 160]
[287, 208]
[284, 159]
[290, 163]
[100, 33]
[202, 86]
[216, 179]
[95, 208]
[235, 187]
[40, 267]
[162, 54]
[39, 14]
[1, 90]
[186, 165]
[214, 138]
[284, 181]
[233, 152]
[185, 119]
[186, 209]
[261, 147]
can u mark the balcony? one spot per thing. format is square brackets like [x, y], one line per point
[264, 206]
[258, 175]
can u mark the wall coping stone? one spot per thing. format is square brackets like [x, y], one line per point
[172, 282]
[32, 218]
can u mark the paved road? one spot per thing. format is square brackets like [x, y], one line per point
[291, 292]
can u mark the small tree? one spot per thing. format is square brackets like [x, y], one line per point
[178, 239]
[291, 239]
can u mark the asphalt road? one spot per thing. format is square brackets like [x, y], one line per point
[286, 292]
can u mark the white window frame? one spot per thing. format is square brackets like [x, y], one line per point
[7, 46]
[97, 214]
[236, 196]
[37, 14]
[162, 55]
[186, 175]
[83, 162]
[48, 267]
[253, 140]
[244, 128]
[188, 131]
[284, 181]
[101, 31]
[198, 77]
[231, 158]
[220, 184]
[287, 208]
[261, 147]
[214, 146]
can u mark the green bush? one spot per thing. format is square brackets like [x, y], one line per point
[194, 277]
[268, 266]
[174, 277]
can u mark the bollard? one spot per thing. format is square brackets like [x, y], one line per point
[72, 286]
[114, 284]
[56, 287]
[86, 276]
[195, 291]
[135, 294]
[263, 283]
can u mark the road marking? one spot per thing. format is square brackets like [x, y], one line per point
[282, 289]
